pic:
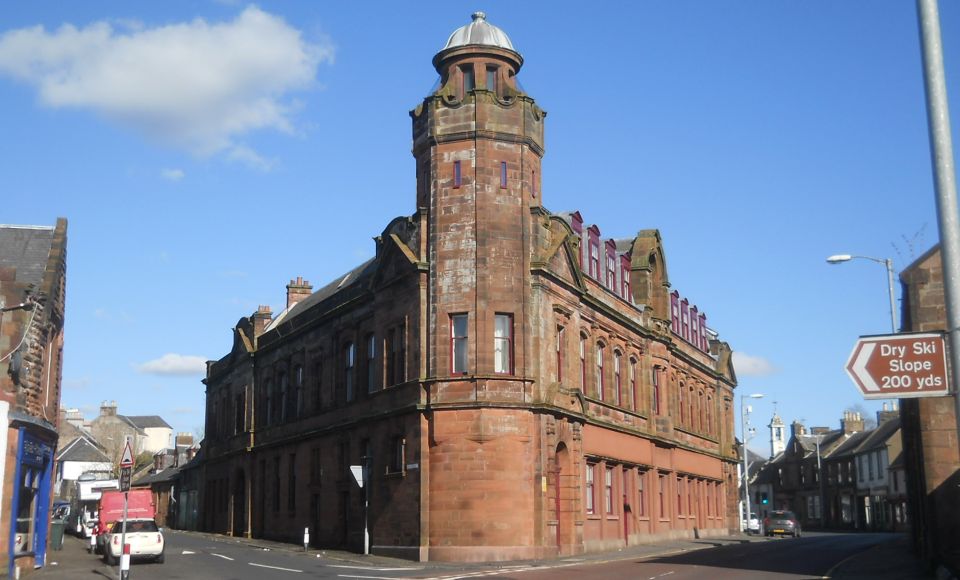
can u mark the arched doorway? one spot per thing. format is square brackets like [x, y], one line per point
[562, 495]
[239, 504]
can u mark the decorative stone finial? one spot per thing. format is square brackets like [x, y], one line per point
[478, 16]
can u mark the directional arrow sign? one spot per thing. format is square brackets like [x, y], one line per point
[897, 366]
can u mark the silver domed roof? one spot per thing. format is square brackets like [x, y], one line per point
[479, 32]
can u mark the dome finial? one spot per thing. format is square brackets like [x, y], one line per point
[478, 15]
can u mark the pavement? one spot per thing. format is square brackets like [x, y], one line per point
[890, 560]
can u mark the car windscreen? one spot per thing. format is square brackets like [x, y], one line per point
[135, 526]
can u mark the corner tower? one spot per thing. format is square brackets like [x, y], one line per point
[778, 440]
[478, 144]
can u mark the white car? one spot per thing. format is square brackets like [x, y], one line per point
[752, 525]
[143, 536]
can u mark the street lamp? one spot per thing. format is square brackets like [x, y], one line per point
[840, 258]
[744, 412]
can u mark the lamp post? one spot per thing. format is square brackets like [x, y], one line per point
[746, 462]
[840, 258]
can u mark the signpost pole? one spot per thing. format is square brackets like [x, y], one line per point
[124, 553]
[944, 177]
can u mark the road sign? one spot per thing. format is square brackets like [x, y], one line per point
[126, 460]
[125, 474]
[897, 366]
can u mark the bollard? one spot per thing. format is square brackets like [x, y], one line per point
[125, 563]
[306, 538]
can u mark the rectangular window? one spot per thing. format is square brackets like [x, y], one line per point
[594, 260]
[315, 465]
[456, 174]
[503, 174]
[292, 483]
[458, 344]
[276, 483]
[397, 455]
[662, 495]
[608, 490]
[656, 391]
[298, 391]
[633, 384]
[491, 78]
[503, 343]
[371, 363]
[559, 347]
[468, 82]
[675, 312]
[611, 273]
[679, 496]
[591, 508]
[641, 494]
[350, 362]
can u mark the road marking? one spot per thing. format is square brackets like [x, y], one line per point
[370, 577]
[274, 567]
[222, 556]
[188, 552]
[662, 575]
[373, 569]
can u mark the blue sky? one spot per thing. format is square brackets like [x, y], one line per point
[206, 153]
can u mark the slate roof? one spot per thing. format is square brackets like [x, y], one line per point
[165, 475]
[81, 449]
[147, 421]
[359, 274]
[878, 437]
[26, 248]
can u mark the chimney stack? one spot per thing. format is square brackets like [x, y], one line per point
[261, 319]
[108, 409]
[797, 429]
[297, 290]
[889, 412]
[851, 422]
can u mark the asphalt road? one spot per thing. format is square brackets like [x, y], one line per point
[201, 556]
[812, 556]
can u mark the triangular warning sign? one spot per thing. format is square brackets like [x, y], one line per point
[126, 460]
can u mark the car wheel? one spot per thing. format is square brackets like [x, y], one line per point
[160, 558]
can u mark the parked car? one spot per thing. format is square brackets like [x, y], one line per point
[753, 525]
[144, 537]
[781, 522]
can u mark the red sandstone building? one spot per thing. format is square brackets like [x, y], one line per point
[33, 274]
[518, 385]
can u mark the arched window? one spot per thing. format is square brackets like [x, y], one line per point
[599, 369]
[633, 384]
[655, 379]
[617, 380]
[559, 349]
[583, 363]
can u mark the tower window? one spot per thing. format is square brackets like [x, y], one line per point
[491, 78]
[468, 82]
[503, 343]
[456, 174]
[503, 174]
[458, 344]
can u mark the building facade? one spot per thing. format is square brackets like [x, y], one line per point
[929, 425]
[504, 381]
[33, 264]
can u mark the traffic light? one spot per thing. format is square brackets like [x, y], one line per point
[764, 499]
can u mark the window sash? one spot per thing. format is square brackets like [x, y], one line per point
[503, 344]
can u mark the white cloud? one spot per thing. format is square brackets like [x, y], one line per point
[174, 364]
[172, 174]
[752, 366]
[195, 85]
